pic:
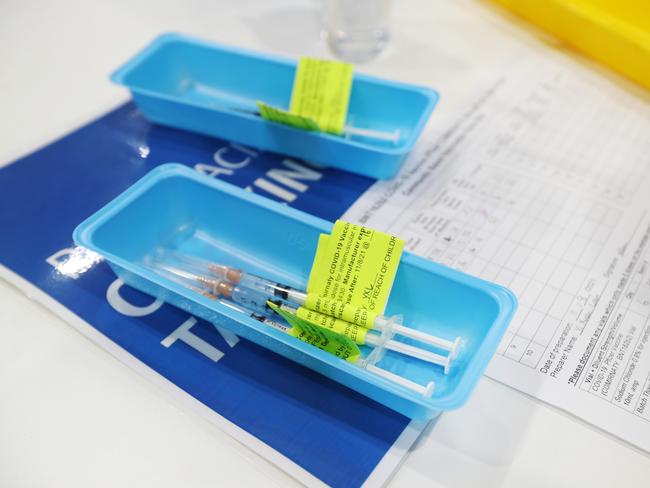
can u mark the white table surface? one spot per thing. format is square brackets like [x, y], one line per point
[72, 415]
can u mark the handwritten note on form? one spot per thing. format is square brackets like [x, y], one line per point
[543, 186]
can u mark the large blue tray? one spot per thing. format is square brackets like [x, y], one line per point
[174, 206]
[212, 89]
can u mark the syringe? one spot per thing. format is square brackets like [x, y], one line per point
[372, 338]
[393, 136]
[348, 130]
[227, 101]
[272, 289]
[363, 363]
[253, 299]
[425, 390]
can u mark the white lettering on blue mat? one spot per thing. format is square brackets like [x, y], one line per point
[184, 333]
[273, 189]
[59, 257]
[292, 175]
[125, 308]
[211, 170]
[219, 158]
[288, 177]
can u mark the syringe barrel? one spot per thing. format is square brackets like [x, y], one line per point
[248, 298]
[392, 136]
[227, 273]
[264, 286]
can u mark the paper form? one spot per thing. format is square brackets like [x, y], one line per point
[543, 186]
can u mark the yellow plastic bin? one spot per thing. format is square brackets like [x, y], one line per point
[614, 32]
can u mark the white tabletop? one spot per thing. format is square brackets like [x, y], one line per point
[72, 415]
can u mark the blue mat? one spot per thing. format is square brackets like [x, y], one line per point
[334, 433]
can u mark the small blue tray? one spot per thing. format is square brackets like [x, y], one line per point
[212, 89]
[176, 207]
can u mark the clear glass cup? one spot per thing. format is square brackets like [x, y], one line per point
[356, 30]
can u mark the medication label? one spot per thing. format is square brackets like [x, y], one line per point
[321, 92]
[353, 273]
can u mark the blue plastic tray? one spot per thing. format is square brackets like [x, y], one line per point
[174, 206]
[212, 89]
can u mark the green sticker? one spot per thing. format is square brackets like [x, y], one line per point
[283, 117]
[324, 339]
